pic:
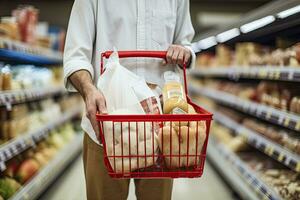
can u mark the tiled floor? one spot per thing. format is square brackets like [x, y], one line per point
[70, 186]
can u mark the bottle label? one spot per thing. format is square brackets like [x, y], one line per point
[178, 111]
[174, 93]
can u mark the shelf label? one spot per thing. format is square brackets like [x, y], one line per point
[2, 166]
[269, 115]
[277, 75]
[280, 157]
[298, 167]
[269, 150]
[2, 156]
[298, 126]
[287, 121]
[262, 73]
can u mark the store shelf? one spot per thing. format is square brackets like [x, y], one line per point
[232, 177]
[250, 176]
[46, 176]
[18, 52]
[23, 142]
[8, 98]
[270, 148]
[262, 73]
[285, 119]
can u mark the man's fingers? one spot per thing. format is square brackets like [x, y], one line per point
[175, 56]
[91, 114]
[187, 57]
[170, 54]
[181, 58]
[101, 106]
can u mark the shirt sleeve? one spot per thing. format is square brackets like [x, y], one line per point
[184, 31]
[79, 41]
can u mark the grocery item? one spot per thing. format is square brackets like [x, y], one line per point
[285, 182]
[181, 145]
[27, 169]
[8, 187]
[134, 139]
[6, 78]
[9, 28]
[174, 97]
[128, 94]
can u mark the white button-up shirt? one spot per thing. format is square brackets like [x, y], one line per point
[96, 26]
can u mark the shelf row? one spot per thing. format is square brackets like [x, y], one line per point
[221, 155]
[22, 143]
[7, 98]
[46, 176]
[273, 115]
[262, 73]
[270, 148]
[18, 52]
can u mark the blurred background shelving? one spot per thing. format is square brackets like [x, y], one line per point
[40, 131]
[248, 73]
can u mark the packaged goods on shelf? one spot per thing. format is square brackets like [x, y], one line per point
[286, 138]
[250, 54]
[29, 77]
[23, 118]
[21, 169]
[268, 178]
[283, 96]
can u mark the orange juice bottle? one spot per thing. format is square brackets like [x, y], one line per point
[174, 97]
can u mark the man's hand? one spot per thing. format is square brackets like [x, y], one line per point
[179, 55]
[95, 102]
[93, 98]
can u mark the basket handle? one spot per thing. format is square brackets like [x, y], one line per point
[145, 54]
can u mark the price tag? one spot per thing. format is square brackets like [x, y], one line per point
[281, 118]
[287, 121]
[291, 75]
[8, 153]
[271, 75]
[14, 149]
[277, 75]
[280, 157]
[262, 73]
[266, 197]
[298, 126]
[269, 151]
[2, 156]
[2, 166]
[269, 115]
[298, 167]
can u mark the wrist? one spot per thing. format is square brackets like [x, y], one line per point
[87, 89]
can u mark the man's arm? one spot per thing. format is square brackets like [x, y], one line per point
[94, 100]
[78, 70]
[181, 52]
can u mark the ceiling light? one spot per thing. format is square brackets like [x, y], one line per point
[207, 42]
[228, 35]
[246, 28]
[288, 12]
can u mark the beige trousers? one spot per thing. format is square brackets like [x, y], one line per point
[100, 186]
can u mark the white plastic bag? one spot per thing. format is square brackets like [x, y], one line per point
[127, 94]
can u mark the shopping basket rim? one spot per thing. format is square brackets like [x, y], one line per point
[154, 117]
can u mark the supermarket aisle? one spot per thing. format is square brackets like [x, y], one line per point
[210, 187]
[69, 186]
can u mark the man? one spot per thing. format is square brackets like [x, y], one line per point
[99, 25]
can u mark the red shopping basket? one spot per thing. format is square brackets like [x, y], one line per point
[175, 151]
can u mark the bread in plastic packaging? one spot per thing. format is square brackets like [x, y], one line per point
[129, 145]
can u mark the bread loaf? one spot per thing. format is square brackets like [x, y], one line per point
[184, 143]
[168, 142]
